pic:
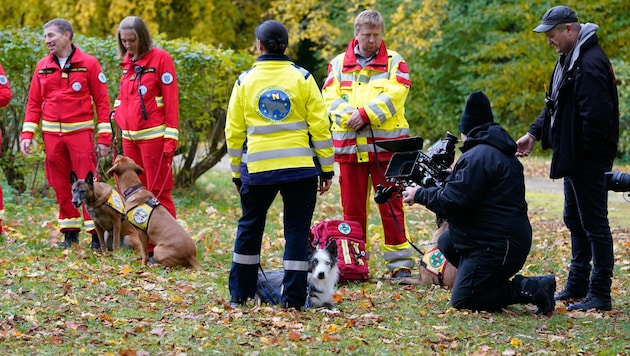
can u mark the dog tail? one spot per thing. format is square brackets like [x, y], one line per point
[194, 264]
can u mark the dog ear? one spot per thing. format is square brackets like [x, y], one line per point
[332, 248]
[139, 170]
[89, 179]
[73, 177]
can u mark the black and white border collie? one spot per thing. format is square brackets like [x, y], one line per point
[323, 274]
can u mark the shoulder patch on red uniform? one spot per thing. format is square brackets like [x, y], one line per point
[167, 78]
[3, 80]
[102, 78]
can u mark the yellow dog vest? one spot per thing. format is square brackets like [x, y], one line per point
[115, 202]
[434, 262]
[140, 215]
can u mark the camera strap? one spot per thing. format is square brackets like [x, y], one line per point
[389, 203]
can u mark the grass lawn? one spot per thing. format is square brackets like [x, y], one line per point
[59, 302]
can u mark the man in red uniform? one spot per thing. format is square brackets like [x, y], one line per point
[5, 98]
[67, 86]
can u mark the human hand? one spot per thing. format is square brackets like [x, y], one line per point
[25, 146]
[409, 194]
[102, 150]
[355, 121]
[238, 183]
[524, 145]
[324, 185]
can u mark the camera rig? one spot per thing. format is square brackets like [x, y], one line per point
[619, 182]
[409, 165]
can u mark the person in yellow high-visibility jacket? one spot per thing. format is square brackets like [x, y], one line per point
[365, 93]
[278, 139]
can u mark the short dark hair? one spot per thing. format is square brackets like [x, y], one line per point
[273, 35]
[139, 27]
[62, 24]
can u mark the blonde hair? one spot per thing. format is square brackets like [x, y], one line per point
[140, 29]
[368, 17]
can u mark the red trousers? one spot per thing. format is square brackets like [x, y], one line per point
[354, 179]
[64, 154]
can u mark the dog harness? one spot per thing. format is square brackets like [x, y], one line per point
[434, 262]
[115, 202]
[140, 215]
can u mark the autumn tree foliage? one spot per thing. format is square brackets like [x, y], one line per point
[451, 47]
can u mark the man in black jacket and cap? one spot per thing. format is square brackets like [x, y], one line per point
[580, 123]
[489, 235]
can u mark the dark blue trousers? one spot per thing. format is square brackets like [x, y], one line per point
[299, 200]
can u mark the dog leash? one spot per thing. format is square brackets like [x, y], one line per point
[273, 295]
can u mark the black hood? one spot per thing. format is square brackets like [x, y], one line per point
[490, 134]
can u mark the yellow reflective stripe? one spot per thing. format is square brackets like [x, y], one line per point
[145, 134]
[29, 127]
[159, 101]
[69, 223]
[52, 126]
[104, 128]
[88, 225]
[172, 133]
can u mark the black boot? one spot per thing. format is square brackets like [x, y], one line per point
[70, 238]
[569, 294]
[236, 302]
[95, 244]
[539, 291]
[592, 302]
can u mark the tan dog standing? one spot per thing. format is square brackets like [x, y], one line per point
[106, 208]
[434, 269]
[173, 245]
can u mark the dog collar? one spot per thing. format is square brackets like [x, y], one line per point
[132, 190]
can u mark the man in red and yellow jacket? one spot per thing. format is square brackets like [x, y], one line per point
[5, 98]
[365, 93]
[68, 86]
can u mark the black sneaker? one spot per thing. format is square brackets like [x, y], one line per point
[592, 303]
[568, 294]
[70, 238]
[402, 273]
[237, 302]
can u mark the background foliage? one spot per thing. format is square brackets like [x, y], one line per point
[452, 47]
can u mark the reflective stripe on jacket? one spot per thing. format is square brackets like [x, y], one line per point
[277, 120]
[158, 84]
[63, 100]
[378, 90]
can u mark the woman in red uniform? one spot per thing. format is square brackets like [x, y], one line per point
[5, 98]
[147, 108]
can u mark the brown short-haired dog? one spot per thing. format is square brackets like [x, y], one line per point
[106, 208]
[434, 269]
[173, 245]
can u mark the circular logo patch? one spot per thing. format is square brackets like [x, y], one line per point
[143, 89]
[117, 201]
[437, 259]
[344, 228]
[102, 78]
[3, 80]
[76, 86]
[167, 78]
[140, 216]
[274, 104]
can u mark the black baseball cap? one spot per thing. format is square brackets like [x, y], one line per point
[554, 16]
